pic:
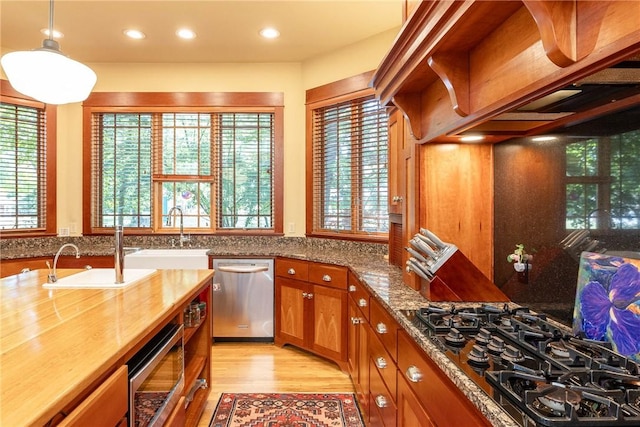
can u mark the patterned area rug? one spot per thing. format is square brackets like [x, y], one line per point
[287, 409]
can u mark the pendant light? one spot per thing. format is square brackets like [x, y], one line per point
[46, 74]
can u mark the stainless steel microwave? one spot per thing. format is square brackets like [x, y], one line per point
[156, 378]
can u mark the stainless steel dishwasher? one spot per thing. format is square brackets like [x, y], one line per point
[243, 300]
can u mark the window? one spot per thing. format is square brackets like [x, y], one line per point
[218, 164]
[603, 182]
[27, 165]
[349, 160]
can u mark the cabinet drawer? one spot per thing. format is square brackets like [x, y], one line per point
[292, 268]
[381, 404]
[359, 294]
[328, 275]
[106, 406]
[442, 401]
[383, 362]
[385, 328]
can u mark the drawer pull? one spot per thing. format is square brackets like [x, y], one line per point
[310, 295]
[413, 374]
[356, 320]
[304, 294]
[291, 271]
[381, 328]
[381, 363]
[362, 302]
[381, 401]
[326, 278]
[352, 288]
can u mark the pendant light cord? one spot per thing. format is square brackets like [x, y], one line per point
[50, 19]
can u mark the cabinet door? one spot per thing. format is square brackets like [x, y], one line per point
[396, 178]
[353, 341]
[410, 411]
[106, 406]
[329, 308]
[291, 296]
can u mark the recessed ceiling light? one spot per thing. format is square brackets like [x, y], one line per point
[56, 34]
[269, 33]
[472, 138]
[544, 138]
[134, 34]
[185, 33]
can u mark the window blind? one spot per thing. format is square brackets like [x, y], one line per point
[350, 158]
[121, 169]
[23, 183]
[246, 158]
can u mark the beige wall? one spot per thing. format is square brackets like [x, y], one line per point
[290, 78]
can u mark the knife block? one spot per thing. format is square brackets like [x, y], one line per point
[459, 280]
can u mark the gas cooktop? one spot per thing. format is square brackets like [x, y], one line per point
[534, 369]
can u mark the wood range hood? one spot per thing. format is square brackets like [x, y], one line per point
[508, 69]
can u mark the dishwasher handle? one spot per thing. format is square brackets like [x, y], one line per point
[243, 268]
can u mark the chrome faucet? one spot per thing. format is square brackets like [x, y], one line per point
[53, 277]
[183, 238]
[118, 254]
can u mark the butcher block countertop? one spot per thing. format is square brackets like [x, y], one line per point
[55, 344]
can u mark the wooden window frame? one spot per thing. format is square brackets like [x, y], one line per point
[11, 96]
[331, 94]
[122, 102]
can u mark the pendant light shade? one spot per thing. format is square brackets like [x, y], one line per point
[47, 75]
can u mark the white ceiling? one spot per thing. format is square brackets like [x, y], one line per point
[227, 30]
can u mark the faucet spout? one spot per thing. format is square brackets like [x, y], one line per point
[53, 274]
[183, 238]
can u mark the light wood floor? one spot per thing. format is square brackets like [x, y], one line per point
[255, 367]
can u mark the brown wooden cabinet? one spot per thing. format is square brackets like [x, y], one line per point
[358, 346]
[397, 177]
[311, 308]
[109, 400]
[197, 364]
[9, 267]
[383, 347]
[426, 394]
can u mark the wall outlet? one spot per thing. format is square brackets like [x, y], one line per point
[292, 227]
[63, 232]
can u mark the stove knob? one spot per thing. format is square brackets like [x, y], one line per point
[483, 337]
[454, 337]
[512, 354]
[478, 355]
[496, 345]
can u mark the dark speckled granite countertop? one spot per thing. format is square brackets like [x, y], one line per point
[367, 261]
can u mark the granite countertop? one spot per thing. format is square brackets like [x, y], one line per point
[367, 261]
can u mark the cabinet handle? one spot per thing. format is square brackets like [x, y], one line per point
[304, 295]
[381, 401]
[291, 271]
[310, 295]
[413, 374]
[381, 328]
[326, 278]
[362, 302]
[356, 320]
[381, 362]
[352, 288]
[397, 199]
